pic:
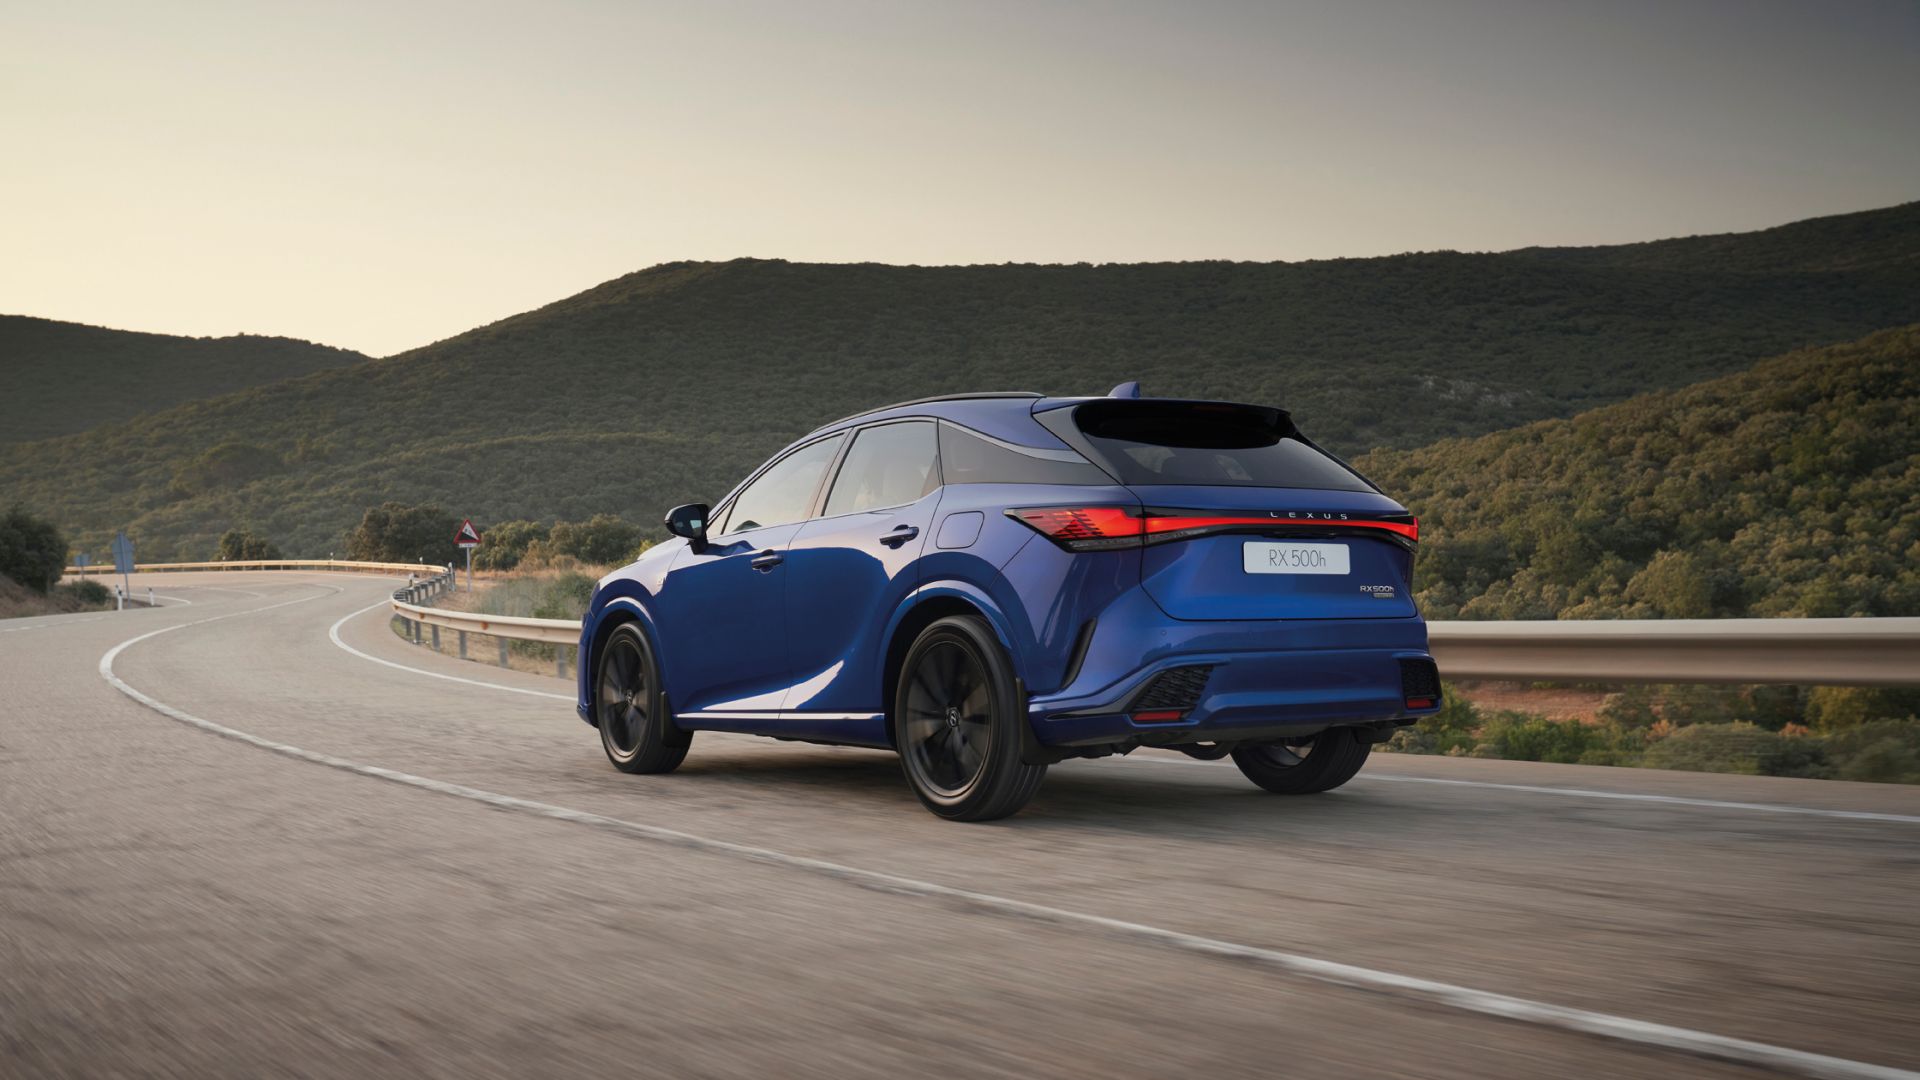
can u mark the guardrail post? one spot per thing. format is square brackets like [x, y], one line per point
[560, 660]
[463, 643]
[436, 637]
[416, 631]
[503, 651]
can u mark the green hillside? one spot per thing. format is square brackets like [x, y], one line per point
[63, 377]
[1790, 489]
[665, 385]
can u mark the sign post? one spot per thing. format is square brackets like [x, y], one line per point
[468, 538]
[123, 561]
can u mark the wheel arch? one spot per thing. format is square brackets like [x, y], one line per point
[618, 611]
[925, 607]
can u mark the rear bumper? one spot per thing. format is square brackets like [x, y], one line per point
[1268, 679]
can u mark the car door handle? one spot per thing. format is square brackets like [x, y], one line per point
[900, 536]
[767, 560]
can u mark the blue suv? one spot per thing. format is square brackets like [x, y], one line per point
[991, 583]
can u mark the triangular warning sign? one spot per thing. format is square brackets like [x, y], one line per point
[467, 535]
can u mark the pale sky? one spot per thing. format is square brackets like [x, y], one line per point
[381, 175]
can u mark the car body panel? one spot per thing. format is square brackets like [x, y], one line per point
[800, 650]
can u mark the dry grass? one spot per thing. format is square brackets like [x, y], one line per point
[1552, 702]
[19, 602]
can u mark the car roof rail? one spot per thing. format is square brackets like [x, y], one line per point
[1026, 394]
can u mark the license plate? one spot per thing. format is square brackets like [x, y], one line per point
[1277, 557]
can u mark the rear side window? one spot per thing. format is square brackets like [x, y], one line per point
[967, 458]
[784, 493]
[1179, 442]
[889, 465]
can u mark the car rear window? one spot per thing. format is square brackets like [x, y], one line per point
[1180, 442]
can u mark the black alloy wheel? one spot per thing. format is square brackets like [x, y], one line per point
[956, 711]
[1306, 765]
[635, 731]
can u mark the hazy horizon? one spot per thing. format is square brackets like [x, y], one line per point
[379, 179]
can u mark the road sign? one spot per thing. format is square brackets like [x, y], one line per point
[123, 563]
[122, 554]
[83, 560]
[468, 538]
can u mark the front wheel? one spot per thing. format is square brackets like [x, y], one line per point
[1307, 765]
[957, 713]
[630, 710]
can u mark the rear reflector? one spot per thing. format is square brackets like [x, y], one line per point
[1104, 528]
[1419, 683]
[1158, 716]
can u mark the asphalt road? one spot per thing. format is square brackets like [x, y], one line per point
[241, 846]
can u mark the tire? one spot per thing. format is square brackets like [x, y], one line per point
[956, 713]
[629, 709]
[1318, 763]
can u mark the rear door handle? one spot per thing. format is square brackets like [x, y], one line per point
[900, 536]
[767, 560]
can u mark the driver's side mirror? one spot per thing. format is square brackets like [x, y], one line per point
[690, 521]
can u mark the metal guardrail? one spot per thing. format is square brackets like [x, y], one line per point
[342, 565]
[1828, 652]
[562, 634]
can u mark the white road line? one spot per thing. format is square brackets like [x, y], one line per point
[1467, 999]
[1586, 793]
[334, 633]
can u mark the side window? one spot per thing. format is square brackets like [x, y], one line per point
[889, 465]
[967, 458]
[784, 493]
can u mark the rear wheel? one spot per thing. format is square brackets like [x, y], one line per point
[1303, 766]
[956, 714]
[629, 709]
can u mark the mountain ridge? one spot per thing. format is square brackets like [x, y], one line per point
[666, 384]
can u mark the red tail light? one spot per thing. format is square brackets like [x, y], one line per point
[1104, 528]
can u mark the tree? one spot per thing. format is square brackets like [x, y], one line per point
[602, 540]
[241, 545]
[32, 551]
[506, 544]
[396, 532]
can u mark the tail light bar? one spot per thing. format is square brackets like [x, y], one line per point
[1106, 528]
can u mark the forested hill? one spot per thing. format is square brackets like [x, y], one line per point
[665, 385]
[62, 377]
[1877, 240]
[1790, 489]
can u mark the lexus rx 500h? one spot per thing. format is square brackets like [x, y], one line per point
[991, 583]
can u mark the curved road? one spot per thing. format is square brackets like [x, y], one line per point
[234, 842]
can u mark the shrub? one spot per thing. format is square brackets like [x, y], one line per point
[91, 592]
[395, 532]
[1831, 708]
[1882, 751]
[32, 551]
[241, 545]
[1520, 737]
[1738, 747]
[602, 540]
[505, 544]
